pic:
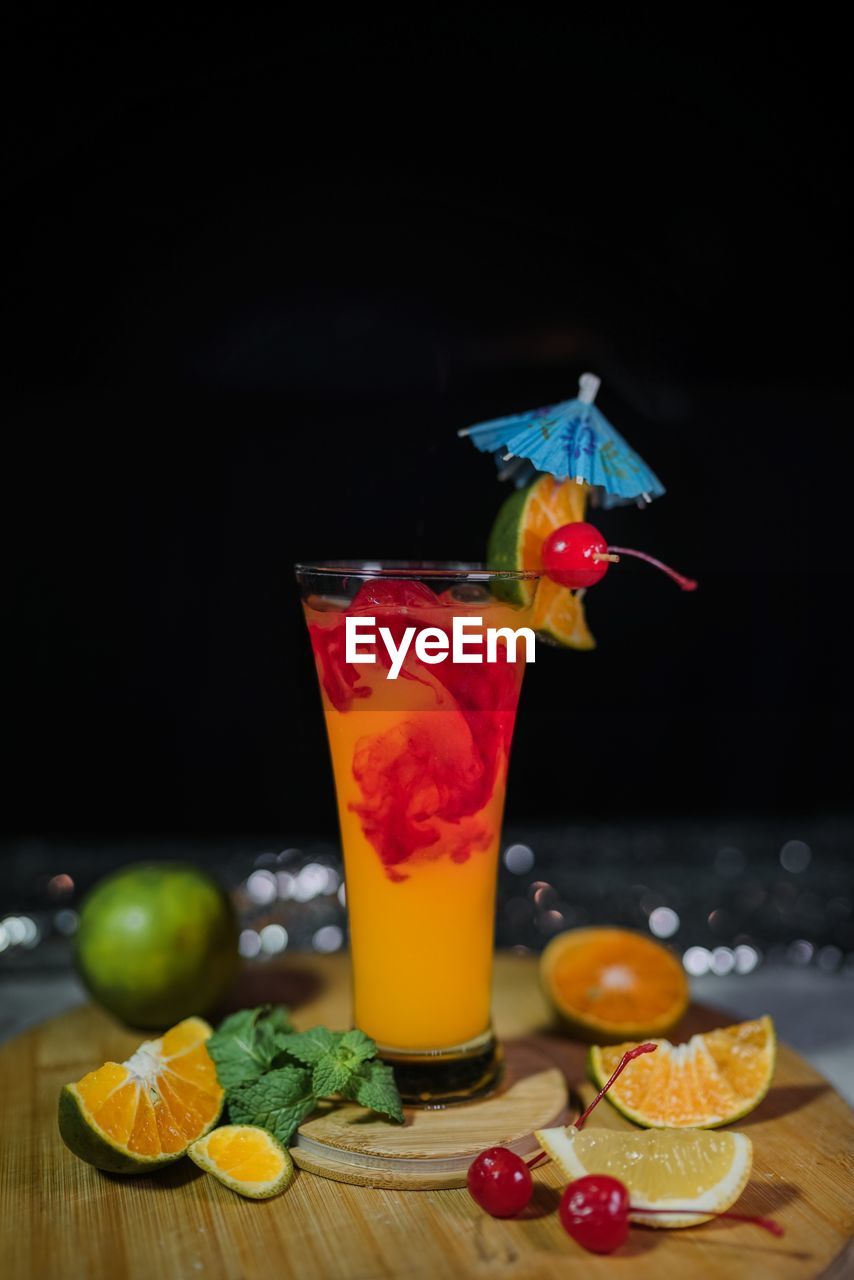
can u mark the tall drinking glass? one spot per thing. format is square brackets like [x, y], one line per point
[420, 764]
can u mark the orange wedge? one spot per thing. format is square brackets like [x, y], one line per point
[559, 616]
[603, 981]
[712, 1080]
[245, 1158]
[134, 1116]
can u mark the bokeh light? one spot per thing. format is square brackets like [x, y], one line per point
[66, 921]
[663, 922]
[262, 887]
[328, 938]
[800, 952]
[273, 939]
[60, 886]
[697, 961]
[518, 859]
[829, 958]
[311, 881]
[250, 943]
[722, 961]
[746, 958]
[795, 856]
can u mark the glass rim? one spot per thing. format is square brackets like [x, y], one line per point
[408, 569]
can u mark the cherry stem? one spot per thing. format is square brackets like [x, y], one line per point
[627, 1057]
[687, 584]
[767, 1224]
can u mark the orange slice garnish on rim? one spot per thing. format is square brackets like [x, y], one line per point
[523, 524]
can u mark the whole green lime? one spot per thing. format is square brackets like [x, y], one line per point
[157, 942]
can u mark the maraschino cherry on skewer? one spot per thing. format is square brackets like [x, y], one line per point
[576, 555]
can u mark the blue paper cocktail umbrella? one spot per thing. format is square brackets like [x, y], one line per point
[571, 439]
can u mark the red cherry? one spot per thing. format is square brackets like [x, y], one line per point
[500, 1182]
[576, 555]
[595, 1212]
[570, 555]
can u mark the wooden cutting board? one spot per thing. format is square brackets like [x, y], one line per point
[62, 1220]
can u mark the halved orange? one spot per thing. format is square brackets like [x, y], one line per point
[245, 1158]
[603, 981]
[712, 1080]
[521, 527]
[134, 1116]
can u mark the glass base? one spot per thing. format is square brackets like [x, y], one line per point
[444, 1077]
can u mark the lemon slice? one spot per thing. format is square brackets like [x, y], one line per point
[245, 1158]
[714, 1079]
[690, 1169]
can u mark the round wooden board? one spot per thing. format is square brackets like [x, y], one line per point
[61, 1219]
[433, 1149]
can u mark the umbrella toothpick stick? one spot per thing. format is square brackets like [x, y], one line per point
[608, 556]
[588, 388]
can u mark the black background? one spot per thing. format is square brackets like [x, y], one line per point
[257, 274]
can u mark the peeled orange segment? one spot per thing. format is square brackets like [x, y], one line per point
[712, 1080]
[516, 542]
[133, 1116]
[701, 1172]
[603, 981]
[245, 1158]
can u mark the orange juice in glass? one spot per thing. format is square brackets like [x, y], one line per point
[420, 746]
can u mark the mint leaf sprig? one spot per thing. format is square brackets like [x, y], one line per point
[274, 1077]
[246, 1044]
[278, 1101]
